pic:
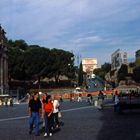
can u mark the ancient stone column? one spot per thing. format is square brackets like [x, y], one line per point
[2, 91]
[3, 62]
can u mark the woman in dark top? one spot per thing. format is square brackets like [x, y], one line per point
[48, 116]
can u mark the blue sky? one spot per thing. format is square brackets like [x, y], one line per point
[90, 28]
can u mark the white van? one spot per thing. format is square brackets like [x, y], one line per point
[78, 90]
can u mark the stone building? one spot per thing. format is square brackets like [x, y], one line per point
[3, 63]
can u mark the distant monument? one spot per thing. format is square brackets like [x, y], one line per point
[89, 64]
[3, 63]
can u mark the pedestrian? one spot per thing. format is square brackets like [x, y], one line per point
[6, 102]
[56, 107]
[116, 102]
[48, 116]
[61, 99]
[11, 101]
[35, 109]
[79, 98]
[71, 97]
[43, 101]
[0, 102]
[100, 100]
[89, 99]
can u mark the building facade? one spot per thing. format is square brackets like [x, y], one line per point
[3, 63]
[125, 58]
[89, 64]
[116, 60]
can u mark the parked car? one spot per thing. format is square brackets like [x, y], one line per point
[78, 90]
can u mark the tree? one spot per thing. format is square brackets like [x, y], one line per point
[27, 62]
[137, 63]
[80, 75]
[99, 72]
[132, 65]
[15, 60]
[136, 73]
[16, 51]
[35, 60]
[106, 67]
[123, 72]
[21, 44]
[63, 64]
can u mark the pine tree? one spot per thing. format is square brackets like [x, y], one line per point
[80, 75]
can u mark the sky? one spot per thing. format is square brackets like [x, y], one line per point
[88, 28]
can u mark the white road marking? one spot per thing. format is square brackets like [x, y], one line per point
[16, 118]
[25, 117]
[73, 109]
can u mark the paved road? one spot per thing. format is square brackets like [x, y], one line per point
[82, 122]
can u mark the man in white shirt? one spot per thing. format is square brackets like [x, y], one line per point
[56, 106]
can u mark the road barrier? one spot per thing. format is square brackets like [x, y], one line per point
[84, 94]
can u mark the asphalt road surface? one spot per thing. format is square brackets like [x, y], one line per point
[81, 122]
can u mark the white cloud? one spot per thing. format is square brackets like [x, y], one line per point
[87, 40]
[80, 25]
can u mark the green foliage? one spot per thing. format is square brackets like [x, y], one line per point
[35, 60]
[136, 73]
[15, 59]
[20, 44]
[101, 72]
[28, 62]
[137, 63]
[80, 75]
[16, 51]
[63, 64]
[106, 67]
[132, 65]
[123, 72]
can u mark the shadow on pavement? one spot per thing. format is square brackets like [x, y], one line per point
[119, 126]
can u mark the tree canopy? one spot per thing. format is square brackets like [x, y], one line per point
[29, 61]
[101, 72]
[137, 62]
[80, 75]
[136, 74]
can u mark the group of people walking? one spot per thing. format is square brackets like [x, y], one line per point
[46, 108]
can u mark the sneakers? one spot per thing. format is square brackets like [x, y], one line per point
[45, 135]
